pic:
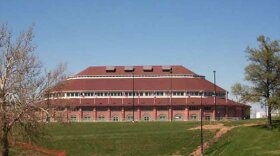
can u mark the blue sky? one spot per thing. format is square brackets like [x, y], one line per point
[201, 35]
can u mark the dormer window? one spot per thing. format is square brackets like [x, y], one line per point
[110, 69]
[148, 68]
[129, 68]
[166, 68]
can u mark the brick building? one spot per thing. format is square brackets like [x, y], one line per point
[141, 93]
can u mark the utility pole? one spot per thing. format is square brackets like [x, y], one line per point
[48, 96]
[201, 124]
[171, 90]
[215, 96]
[133, 109]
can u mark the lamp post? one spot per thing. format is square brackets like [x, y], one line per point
[201, 123]
[171, 90]
[215, 94]
[48, 96]
[133, 97]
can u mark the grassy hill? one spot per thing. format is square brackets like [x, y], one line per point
[244, 141]
[157, 138]
[143, 138]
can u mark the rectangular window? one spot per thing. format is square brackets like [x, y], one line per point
[207, 108]
[193, 108]
[159, 93]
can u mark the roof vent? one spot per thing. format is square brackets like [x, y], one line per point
[148, 68]
[129, 68]
[166, 68]
[110, 68]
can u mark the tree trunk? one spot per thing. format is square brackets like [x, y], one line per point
[269, 119]
[5, 142]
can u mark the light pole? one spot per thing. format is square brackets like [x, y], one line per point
[201, 123]
[171, 90]
[215, 94]
[133, 97]
[48, 96]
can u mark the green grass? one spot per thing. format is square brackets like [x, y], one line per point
[244, 141]
[143, 138]
[156, 138]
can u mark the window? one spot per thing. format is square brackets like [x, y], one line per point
[115, 118]
[193, 117]
[129, 117]
[73, 118]
[101, 118]
[159, 93]
[193, 108]
[162, 117]
[207, 117]
[178, 117]
[87, 118]
[207, 108]
[179, 93]
[146, 118]
[77, 94]
[179, 108]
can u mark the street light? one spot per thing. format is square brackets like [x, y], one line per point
[133, 96]
[215, 93]
[201, 123]
[171, 113]
[48, 96]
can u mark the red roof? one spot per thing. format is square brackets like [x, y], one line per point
[148, 84]
[138, 70]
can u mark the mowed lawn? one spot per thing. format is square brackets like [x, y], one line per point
[245, 141]
[142, 138]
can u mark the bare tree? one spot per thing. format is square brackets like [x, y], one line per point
[23, 87]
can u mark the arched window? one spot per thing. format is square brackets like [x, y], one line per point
[115, 118]
[207, 117]
[87, 118]
[162, 117]
[178, 117]
[101, 118]
[193, 117]
[146, 118]
[129, 117]
[73, 118]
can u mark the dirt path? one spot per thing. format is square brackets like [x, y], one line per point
[222, 130]
[41, 149]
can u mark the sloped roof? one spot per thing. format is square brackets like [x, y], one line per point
[138, 70]
[149, 84]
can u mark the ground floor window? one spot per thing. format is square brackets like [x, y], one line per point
[87, 118]
[178, 117]
[73, 118]
[193, 117]
[207, 117]
[162, 117]
[101, 118]
[115, 118]
[129, 117]
[146, 118]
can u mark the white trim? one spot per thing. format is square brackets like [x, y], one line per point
[135, 76]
